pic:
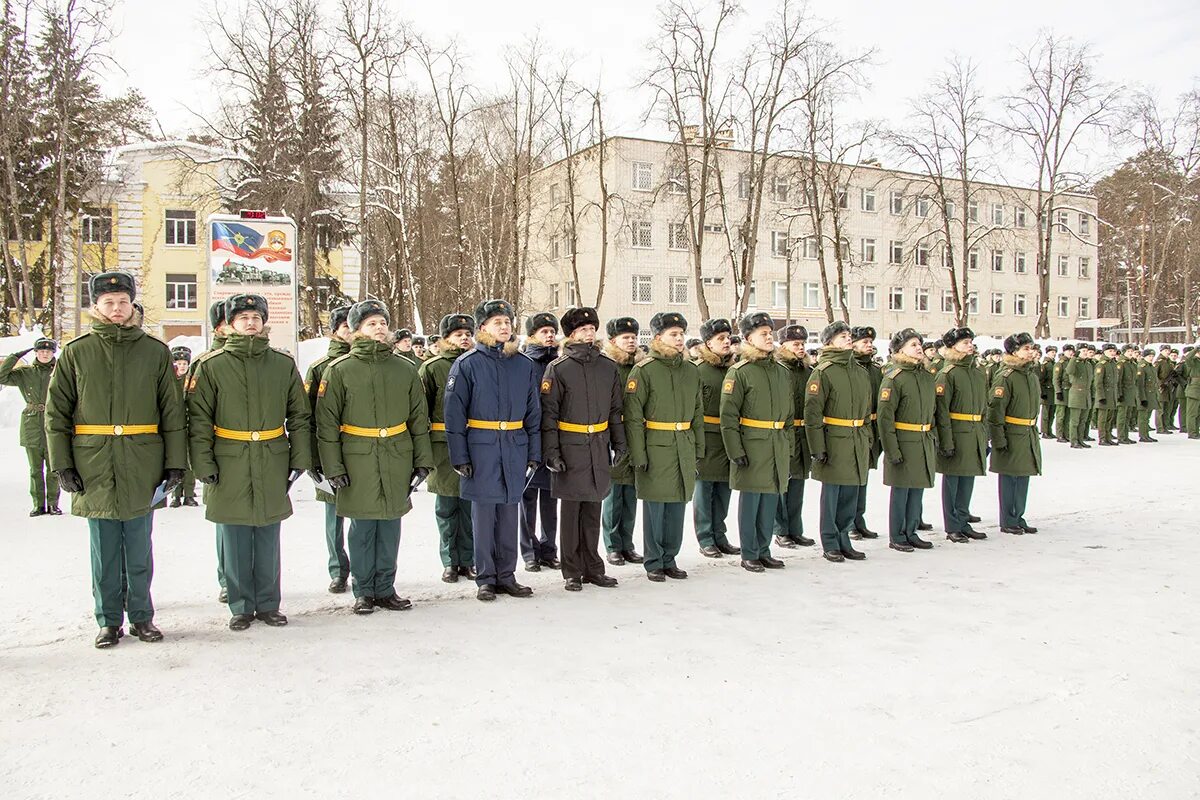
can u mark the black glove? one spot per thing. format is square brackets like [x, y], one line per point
[1102, 401]
[742, 461]
[418, 477]
[1058, 397]
[896, 459]
[556, 464]
[24, 352]
[1145, 403]
[208, 479]
[619, 454]
[530, 466]
[1000, 447]
[316, 475]
[820, 458]
[464, 470]
[173, 477]
[947, 453]
[339, 481]
[642, 467]
[70, 481]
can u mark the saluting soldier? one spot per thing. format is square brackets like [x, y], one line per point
[837, 410]
[493, 429]
[33, 380]
[961, 393]
[619, 510]
[1147, 377]
[1189, 370]
[453, 514]
[404, 346]
[581, 425]
[757, 414]
[114, 432]
[185, 492]
[249, 429]
[1128, 393]
[789, 522]
[335, 524]
[864, 353]
[538, 548]
[664, 417]
[1012, 418]
[1059, 386]
[373, 434]
[1079, 378]
[710, 506]
[1046, 378]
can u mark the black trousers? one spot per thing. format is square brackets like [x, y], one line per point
[537, 537]
[579, 539]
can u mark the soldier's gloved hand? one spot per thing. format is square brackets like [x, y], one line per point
[1145, 403]
[339, 481]
[1058, 397]
[947, 453]
[464, 470]
[208, 479]
[742, 461]
[421, 472]
[999, 447]
[820, 458]
[25, 352]
[173, 478]
[530, 466]
[896, 459]
[556, 465]
[70, 481]
[316, 475]
[617, 455]
[1102, 401]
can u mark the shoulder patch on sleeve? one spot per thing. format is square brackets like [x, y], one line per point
[941, 388]
[307, 386]
[998, 391]
[727, 387]
[546, 384]
[631, 385]
[885, 394]
[814, 386]
[191, 387]
[450, 382]
[321, 388]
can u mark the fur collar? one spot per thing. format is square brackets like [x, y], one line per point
[953, 356]
[618, 355]
[1013, 361]
[752, 353]
[788, 358]
[906, 361]
[662, 351]
[487, 340]
[709, 357]
[391, 340]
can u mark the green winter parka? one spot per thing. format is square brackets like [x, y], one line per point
[115, 375]
[1013, 405]
[1078, 377]
[374, 390]
[961, 390]
[839, 388]
[433, 373]
[875, 373]
[799, 370]
[1105, 389]
[1147, 378]
[758, 410]
[712, 367]
[33, 380]
[1189, 368]
[248, 387]
[1129, 393]
[907, 399]
[312, 382]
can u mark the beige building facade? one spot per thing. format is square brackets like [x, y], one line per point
[891, 246]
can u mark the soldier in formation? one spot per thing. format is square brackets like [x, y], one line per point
[538, 548]
[710, 505]
[619, 509]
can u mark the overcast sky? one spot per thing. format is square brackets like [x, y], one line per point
[1149, 43]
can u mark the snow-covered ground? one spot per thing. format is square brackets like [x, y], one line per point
[1061, 665]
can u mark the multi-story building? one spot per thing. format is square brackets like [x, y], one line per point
[891, 249]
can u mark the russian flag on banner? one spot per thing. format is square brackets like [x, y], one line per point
[237, 239]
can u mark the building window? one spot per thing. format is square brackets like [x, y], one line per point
[643, 234]
[811, 249]
[921, 299]
[895, 252]
[643, 176]
[947, 301]
[779, 243]
[181, 292]
[572, 294]
[951, 209]
[997, 261]
[85, 289]
[554, 197]
[1085, 225]
[568, 244]
[868, 298]
[973, 258]
[1019, 304]
[743, 185]
[1064, 306]
[95, 225]
[972, 302]
[779, 294]
[716, 281]
[554, 298]
[1085, 267]
[555, 247]
[676, 181]
[677, 238]
[868, 251]
[1062, 221]
[842, 197]
[1022, 218]
[1019, 262]
[973, 211]
[642, 292]
[1064, 266]
[812, 295]
[842, 293]
[922, 207]
[844, 248]
[922, 255]
[752, 295]
[997, 214]
[780, 189]
[896, 299]
[866, 199]
[896, 202]
[677, 290]
[997, 302]
[181, 228]
[1085, 308]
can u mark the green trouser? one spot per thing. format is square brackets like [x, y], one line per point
[335, 543]
[251, 557]
[756, 521]
[1162, 415]
[1048, 417]
[43, 484]
[710, 507]
[662, 533]
[860, 509]
[187, 489]
[121, 552]
[1077, 424]
[838, 503]
[1126, 422]
[617, 515]
[1187, 409]
[904, 513]
[788, 517]
[1106, 419]
[456, 538]
[1014, 491]
[1193, 417]
[1143, 424]
[374, 549]
[956, 502]
[220, 559]
[1060, 421]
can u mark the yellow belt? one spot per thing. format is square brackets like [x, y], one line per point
[799, 423]
[911, 426]
[845, 423]
[966, 417]
[114, 430]
[437, 426]
[1020, 421]
[668, 426]
[571, 427]
[769, 424]
[374, 433]
[495, 424]
[712, 420]
[248, 436]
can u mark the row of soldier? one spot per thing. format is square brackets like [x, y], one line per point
[482, 419]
